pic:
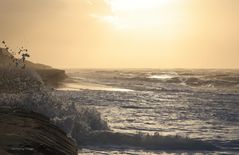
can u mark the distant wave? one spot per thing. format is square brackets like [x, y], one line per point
[90, 86]
[207, 80]
[156, 80]
[162, 77]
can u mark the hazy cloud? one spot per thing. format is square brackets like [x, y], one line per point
[18, 15]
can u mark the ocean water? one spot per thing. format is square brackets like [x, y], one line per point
[199, 104]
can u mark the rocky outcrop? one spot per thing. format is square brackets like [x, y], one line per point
[24, 132]
[51, 76]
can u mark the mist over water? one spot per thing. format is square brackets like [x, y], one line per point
[200, 104]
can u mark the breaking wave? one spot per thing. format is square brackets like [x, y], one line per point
[146, 141]
[162, 77]
[86, 126]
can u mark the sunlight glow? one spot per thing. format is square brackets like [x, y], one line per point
[136, 5]
[143, 14]
[146, 15]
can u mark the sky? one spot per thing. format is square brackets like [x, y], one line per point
[124, 33]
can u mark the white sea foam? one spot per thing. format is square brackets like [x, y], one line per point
[162, 77]
[90, 86]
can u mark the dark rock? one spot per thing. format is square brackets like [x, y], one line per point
[52, 77]
[24, 132]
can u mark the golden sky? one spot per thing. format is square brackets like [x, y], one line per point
[124, 33]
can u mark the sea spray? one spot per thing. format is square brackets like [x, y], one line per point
[82, 123]
[24, 89]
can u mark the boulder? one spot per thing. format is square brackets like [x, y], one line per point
[24, 132]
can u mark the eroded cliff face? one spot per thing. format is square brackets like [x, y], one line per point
[24, 132]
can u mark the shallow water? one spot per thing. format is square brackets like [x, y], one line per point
[201, 104]
[117, 151]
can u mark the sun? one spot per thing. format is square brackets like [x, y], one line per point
[142, 14]
[136, 5]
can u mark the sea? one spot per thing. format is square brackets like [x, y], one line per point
[195, 103]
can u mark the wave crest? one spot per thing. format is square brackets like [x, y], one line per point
[146, 141]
